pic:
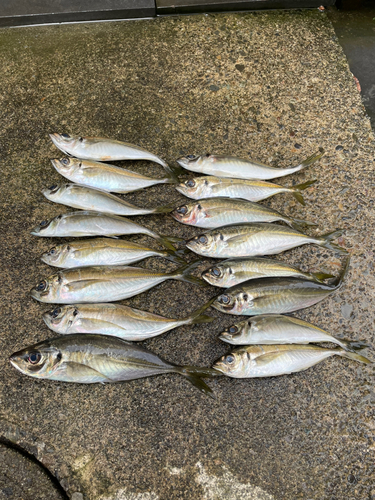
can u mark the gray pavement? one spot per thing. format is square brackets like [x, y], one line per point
[271, 86]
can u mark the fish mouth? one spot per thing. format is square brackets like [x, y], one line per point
[181, 189]
[34, 294]
[219, 366]
[183, 162]
[176, 215]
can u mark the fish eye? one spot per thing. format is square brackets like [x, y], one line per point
[65, 136]
[52, 251]
[229, 359]
[42, 286]
[233, 329]
[65, 161]
[182, 210]
[54, 188]
[44, 223]
[191, 157]
[224, 299]
[216, 271]
[34, 358]
[190, 183]
[203, 239]
[56, 312]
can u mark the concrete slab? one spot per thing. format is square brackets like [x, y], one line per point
[272, 86]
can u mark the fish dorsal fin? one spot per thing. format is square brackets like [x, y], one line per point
[76, 372]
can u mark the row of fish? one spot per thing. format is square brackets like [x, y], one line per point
[96, 269]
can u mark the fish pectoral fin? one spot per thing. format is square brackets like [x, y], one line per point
[76, 372]
[80, 285]
[238, 239]
[265, 359]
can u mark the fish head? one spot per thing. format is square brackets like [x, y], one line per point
[229, 364]
[236, 334]
[217, 275]
[194, 188]
[54, 192]
[191, 213]
[61, 319]
[47, 227]
[66, 142]
[233, 302]
[203, 244]
[48, 289]
[56, 256]
[40, 360]
[67, 166]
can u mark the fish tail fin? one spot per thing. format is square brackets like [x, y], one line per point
[195, 374]
[338, 281]
[352, 345]
[173, 256]
[165, 241]
[310, 160]
[355, 356]
[301, 187]
[300, 223]
[172, 175]
[164, 209]
[326, 242]
[197, 316]
[321, 276]
[182, 274]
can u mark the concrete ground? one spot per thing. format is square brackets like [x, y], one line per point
[271, 86]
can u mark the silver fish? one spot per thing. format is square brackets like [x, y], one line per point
[86, 223]
[88, 359]
[216, 212]
[275, 360]
[104, 283]
[116, 320]
[100, 149]
[229, 166]
[234, 271]
[275, 295]
[278, 329]
[102, 252]
[251, 240]
[85, 198]
[108, 177]
[210, 186]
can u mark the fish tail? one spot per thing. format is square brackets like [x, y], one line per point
[310, 160]
[300, 187]
[355, 356]
[164, 241]
[197, 316]
[340, 279]
[352, 345]
[172, 174]
[182, 274]
[299, 223]
[164, 209]
[173, 256]
[195, 374]
[321, 276]
[326, 241]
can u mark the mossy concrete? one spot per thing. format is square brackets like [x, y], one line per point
[271, 86]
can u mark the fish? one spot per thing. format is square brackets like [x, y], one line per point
[277, 329]
[212, 213]
[229, 166]
[275, 295]
[274, 360]
[231, 272]
[102, 252]
[105, 283]
[108, 177]
[89, 223]
[89, 359]
[116, 320]
[209, 186]
[101, 149]
[252, 240]
[86, 198]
